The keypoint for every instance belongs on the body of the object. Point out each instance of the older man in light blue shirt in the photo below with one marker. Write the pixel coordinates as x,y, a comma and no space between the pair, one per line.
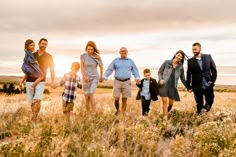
123,67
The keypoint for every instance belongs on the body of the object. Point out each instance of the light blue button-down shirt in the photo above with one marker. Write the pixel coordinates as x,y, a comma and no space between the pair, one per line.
123,69
146,90
205,84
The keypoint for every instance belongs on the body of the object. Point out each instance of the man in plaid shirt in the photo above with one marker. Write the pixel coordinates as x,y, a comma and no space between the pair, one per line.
71,82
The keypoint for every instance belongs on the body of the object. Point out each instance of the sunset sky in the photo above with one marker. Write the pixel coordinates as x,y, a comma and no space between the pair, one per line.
152,30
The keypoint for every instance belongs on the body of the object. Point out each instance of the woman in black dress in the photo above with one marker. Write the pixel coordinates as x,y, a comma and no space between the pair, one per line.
169,74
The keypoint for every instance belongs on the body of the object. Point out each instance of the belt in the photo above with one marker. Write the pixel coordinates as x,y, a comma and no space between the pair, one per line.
122,80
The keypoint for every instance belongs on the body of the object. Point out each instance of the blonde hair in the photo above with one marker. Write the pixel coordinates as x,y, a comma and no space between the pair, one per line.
75,65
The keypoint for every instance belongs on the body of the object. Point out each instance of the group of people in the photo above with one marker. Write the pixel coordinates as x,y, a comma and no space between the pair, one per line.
201,76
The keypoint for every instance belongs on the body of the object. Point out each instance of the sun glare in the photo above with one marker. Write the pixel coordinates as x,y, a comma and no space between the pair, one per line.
62,65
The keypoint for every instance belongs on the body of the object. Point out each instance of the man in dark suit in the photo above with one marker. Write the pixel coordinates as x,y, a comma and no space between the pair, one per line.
201,76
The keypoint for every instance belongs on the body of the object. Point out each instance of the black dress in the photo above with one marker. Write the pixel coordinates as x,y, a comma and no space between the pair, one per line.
169,90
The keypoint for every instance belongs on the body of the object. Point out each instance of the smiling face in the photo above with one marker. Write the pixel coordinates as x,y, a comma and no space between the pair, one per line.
196,50
123,52
31,47
43,45
179,57
75,67
147,75
90,50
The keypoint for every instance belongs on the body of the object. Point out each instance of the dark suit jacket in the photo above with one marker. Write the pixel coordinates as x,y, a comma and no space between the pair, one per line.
195,74
153,87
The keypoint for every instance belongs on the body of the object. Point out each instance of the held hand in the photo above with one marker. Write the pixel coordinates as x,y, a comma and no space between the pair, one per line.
162,82
86,79
54,86
137,81
190,90
210,82
101,80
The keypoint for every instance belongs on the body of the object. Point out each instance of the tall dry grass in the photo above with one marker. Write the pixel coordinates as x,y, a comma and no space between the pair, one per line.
104,134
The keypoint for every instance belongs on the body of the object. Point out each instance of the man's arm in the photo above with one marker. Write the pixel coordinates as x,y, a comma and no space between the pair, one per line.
189,76
213,70
24,78
135,72
52,72
109,70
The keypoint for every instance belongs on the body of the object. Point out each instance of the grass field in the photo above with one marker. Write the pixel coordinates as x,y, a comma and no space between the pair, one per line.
104,134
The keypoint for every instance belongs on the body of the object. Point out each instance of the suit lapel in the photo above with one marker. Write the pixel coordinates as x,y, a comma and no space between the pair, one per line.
196,64
203,62
150,84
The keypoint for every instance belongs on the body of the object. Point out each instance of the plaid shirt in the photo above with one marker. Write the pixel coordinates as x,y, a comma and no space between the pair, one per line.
70,87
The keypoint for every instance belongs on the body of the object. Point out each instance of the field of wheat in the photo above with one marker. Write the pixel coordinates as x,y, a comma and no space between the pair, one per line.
104,134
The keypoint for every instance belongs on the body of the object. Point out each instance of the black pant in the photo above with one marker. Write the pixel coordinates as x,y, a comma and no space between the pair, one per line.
145,105
209,98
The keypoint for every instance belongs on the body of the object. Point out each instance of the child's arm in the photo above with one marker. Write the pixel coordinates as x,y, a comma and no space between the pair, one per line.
22,82
79,84
156,86
63,80
60,83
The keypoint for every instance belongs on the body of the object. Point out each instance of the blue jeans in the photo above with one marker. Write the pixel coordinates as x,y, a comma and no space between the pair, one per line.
38,91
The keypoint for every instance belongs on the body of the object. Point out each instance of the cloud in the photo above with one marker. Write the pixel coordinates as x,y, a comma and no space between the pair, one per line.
145,27
96,17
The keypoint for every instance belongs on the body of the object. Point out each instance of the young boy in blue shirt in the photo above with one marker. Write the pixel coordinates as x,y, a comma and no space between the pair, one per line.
148,90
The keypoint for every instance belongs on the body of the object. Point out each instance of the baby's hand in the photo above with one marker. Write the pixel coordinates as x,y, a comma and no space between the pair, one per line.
162,82
37,62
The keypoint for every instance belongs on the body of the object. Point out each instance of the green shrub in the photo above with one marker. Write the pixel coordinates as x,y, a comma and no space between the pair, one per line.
214,137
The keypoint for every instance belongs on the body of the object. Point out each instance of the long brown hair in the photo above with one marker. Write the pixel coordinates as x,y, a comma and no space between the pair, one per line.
183,54
93,45
27,43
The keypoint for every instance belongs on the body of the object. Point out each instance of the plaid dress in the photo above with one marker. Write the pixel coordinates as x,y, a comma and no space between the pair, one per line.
71,83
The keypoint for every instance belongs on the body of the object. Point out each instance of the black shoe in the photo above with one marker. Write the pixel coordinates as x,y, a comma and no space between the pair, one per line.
117,113
207,107
145,113
169,108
